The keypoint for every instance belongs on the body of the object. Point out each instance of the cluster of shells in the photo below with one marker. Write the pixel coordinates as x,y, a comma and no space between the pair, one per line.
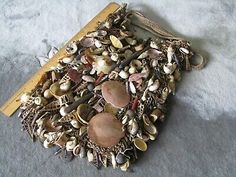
105,98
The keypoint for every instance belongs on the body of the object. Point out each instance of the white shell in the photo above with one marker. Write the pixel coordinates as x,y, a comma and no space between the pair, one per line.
62,111
97,43
88,78
125,166
71,144
154,86
39,100
47,144
75,124
123,74
183,50
67,60
114,57
170,53
153,45
90,156
132,70
47,94
132,87
169,68
25,97
113,160
65,86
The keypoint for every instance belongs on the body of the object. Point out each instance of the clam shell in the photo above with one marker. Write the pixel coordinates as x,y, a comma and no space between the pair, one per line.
114,92
105,130
116,42
140,144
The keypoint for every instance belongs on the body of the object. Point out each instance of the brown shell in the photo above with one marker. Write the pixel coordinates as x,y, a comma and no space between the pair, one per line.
105,130
114,92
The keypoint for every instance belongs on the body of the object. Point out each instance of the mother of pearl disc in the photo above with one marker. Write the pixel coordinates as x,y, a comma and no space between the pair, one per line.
105,130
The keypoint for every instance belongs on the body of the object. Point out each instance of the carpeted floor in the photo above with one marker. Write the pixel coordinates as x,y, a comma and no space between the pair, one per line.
198,139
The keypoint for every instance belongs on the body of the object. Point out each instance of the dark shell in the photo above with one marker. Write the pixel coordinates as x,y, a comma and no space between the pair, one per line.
74,75
121,159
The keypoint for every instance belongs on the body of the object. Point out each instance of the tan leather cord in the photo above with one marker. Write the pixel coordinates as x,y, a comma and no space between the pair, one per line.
153,27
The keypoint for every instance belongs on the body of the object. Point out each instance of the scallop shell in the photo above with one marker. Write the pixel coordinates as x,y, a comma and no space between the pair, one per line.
116,42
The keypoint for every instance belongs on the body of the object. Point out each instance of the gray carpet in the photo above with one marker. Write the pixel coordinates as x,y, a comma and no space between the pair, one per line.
198,139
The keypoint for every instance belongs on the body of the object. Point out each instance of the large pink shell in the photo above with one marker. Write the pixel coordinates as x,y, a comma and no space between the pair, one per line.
114,92
105,130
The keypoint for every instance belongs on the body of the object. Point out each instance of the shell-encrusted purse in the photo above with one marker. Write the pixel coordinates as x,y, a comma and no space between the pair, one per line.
105,98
